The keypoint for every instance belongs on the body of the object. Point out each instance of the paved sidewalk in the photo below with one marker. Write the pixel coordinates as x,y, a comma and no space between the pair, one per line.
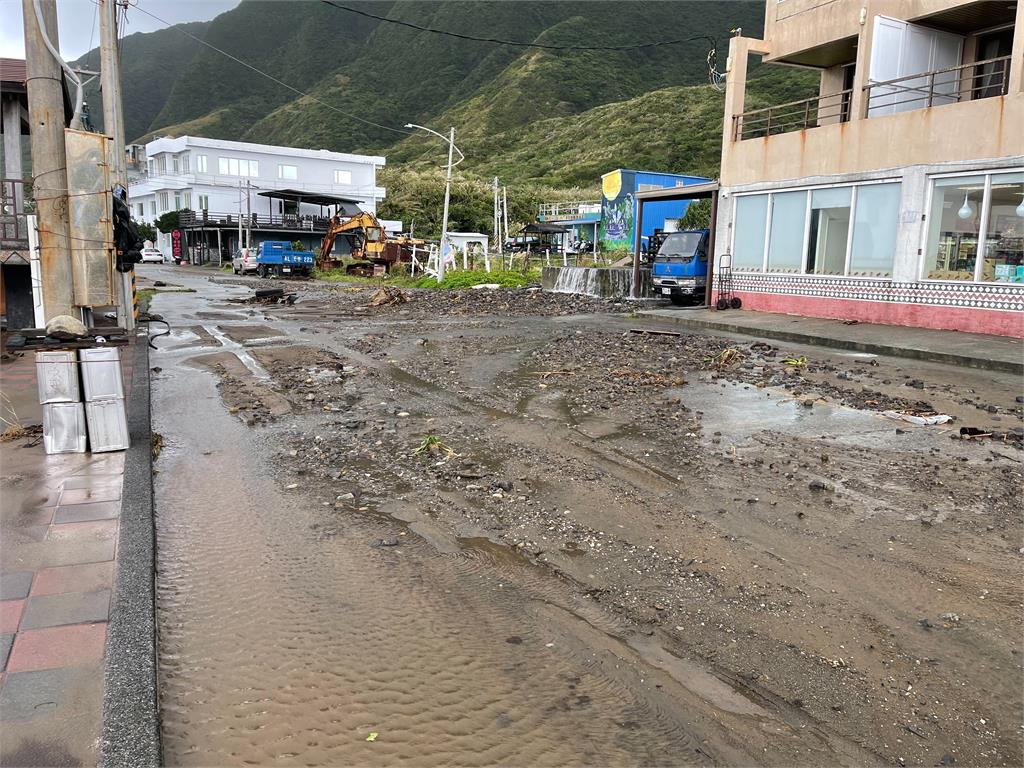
58,537
998,353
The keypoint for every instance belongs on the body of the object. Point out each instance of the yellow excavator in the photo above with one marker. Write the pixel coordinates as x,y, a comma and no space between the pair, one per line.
360,245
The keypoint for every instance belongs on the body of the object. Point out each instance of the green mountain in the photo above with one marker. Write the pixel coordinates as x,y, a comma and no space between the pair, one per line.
550,119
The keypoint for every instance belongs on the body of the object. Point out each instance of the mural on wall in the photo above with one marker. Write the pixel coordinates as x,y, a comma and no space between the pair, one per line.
617,211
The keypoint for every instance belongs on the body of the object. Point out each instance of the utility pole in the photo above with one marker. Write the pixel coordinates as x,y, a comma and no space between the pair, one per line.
504,207
113,125
240,243
248,214
496,223
49,180
444,216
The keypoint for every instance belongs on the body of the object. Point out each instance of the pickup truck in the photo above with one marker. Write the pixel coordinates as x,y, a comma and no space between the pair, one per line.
680,271
277,257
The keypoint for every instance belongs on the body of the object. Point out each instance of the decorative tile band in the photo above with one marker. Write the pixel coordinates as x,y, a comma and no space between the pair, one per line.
1002,296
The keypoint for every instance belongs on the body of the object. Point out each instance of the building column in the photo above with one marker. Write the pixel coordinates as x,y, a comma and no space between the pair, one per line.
1016,84
907,258
740,49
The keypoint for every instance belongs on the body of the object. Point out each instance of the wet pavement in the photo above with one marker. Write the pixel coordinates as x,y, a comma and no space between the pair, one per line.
302,625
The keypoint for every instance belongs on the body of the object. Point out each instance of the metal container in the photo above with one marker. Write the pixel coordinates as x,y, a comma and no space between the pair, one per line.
57,376
63,428
101,373
108,425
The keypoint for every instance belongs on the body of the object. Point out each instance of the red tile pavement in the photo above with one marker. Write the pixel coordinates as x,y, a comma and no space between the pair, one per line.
90,577
70,646
10,615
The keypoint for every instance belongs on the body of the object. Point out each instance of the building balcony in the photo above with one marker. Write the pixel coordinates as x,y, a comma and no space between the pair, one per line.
284,222
587,210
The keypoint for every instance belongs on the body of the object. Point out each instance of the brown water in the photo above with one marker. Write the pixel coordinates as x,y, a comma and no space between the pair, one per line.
288,638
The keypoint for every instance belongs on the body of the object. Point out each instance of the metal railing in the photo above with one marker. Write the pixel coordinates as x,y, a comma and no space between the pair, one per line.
305,222
793,116
966,82
573,210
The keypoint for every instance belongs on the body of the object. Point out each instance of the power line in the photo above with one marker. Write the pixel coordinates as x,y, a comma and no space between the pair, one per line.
519,43
283,84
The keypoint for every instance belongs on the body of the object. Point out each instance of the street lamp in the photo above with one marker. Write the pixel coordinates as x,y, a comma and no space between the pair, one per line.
447,190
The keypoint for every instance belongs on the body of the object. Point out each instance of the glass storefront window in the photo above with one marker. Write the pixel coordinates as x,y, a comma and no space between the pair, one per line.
785,245
830,229
954,227
875,221
1004,232
749,232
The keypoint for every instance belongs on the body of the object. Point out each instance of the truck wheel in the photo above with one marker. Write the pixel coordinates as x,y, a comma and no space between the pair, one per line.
261,271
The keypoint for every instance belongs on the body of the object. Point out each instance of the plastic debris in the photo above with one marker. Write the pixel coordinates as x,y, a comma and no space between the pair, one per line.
373,736
921,418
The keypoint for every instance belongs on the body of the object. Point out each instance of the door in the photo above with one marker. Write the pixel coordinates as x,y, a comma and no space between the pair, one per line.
900,49
17,285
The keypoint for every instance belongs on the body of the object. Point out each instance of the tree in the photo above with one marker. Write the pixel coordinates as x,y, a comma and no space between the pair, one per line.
146,231
169,221
697,216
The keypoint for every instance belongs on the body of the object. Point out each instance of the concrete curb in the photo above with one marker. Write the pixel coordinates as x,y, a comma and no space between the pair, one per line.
131,719
913,353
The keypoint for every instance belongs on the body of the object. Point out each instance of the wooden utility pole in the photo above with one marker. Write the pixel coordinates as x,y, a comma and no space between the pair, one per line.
49,180
113,125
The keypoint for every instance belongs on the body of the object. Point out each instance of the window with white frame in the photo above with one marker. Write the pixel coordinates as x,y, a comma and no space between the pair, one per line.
152,208
200,163
971,215
161,164
289,172
232,166
186,198
842,230
342,176
140,209
176,164
151,167
184,163
204,202
162,197
177,201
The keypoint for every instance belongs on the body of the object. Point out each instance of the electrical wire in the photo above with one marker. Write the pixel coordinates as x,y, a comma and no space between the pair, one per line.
76,120
519,43
267,75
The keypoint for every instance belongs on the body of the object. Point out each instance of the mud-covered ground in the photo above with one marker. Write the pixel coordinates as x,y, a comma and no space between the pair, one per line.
745,504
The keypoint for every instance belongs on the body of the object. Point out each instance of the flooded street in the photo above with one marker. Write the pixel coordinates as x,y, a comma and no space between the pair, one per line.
566,573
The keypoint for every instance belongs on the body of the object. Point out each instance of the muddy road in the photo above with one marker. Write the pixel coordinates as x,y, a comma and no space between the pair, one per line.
502,527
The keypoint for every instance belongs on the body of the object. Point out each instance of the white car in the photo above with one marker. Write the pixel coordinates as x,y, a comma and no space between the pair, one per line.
244,261
152,256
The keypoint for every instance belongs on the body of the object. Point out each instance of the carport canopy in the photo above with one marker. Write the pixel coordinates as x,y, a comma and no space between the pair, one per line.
346,206
707,191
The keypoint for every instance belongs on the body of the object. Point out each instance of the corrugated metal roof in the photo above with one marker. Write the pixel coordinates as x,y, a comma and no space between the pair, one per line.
12,70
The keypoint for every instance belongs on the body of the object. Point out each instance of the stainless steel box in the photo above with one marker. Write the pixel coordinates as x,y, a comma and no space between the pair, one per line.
57,376
101,373
108,425
63,428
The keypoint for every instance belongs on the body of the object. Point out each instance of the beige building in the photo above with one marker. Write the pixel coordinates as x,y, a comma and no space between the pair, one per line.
896,195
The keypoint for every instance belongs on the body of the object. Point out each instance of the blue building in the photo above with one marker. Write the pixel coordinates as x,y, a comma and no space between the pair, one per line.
619,206
611,221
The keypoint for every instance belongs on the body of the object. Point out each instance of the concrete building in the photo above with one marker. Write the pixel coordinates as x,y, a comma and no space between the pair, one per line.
895,195
282,193
17,303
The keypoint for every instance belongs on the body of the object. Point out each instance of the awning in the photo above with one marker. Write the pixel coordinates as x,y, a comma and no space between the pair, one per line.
346,205
687,192
543,228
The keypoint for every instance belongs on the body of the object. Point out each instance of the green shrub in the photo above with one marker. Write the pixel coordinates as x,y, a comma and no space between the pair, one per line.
468,278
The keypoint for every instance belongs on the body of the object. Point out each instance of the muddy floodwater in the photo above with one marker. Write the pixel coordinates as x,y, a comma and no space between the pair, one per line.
569,576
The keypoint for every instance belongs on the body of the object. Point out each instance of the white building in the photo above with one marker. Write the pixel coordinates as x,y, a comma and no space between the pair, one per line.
223,180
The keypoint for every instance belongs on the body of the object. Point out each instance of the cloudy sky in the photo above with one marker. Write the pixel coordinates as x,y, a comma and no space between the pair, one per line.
79,28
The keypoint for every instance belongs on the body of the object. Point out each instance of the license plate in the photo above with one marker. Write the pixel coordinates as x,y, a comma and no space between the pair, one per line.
286,269
667,291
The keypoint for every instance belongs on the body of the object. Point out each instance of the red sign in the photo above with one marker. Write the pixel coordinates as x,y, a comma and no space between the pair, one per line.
176,243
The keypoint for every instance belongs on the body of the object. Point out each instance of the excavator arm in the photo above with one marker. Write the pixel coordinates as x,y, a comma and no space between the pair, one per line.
366,224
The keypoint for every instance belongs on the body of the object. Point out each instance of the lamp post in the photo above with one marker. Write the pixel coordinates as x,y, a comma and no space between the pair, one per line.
447,190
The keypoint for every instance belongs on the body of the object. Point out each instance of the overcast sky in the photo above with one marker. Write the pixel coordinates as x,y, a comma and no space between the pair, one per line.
79,28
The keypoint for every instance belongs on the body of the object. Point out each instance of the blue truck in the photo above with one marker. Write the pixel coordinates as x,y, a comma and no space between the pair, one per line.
277,257
680,270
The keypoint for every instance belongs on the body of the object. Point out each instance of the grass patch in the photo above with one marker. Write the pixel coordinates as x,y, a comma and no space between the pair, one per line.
468,278
145,298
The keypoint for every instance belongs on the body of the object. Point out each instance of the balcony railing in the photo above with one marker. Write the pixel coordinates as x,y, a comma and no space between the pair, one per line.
13,222
567,211
195,219
793,116
967,82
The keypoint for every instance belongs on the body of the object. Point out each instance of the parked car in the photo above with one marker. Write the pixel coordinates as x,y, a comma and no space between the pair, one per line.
152,256
244,261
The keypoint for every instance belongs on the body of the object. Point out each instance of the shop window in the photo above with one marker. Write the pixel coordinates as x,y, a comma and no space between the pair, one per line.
954,228
876,217
829,231
1004,230
749,232
786,242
